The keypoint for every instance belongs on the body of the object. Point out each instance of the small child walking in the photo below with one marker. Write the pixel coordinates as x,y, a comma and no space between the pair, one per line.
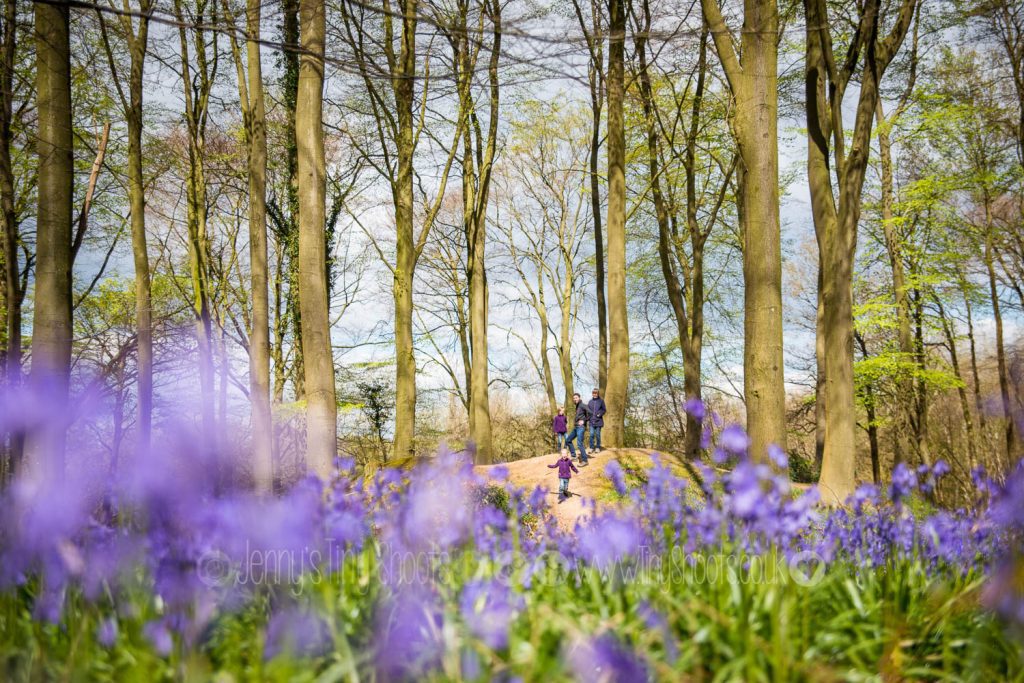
560,426
565,470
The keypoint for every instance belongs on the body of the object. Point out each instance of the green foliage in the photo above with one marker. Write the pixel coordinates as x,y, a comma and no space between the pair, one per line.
496,496
730,616
802,470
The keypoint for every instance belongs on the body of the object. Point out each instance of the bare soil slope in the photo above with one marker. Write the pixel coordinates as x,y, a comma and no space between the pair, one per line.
590,484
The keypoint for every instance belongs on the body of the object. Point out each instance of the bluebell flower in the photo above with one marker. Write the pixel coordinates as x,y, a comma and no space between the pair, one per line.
408,639
106,632
488,607
605,658
734,440
695,409
296,632
904,482
613,470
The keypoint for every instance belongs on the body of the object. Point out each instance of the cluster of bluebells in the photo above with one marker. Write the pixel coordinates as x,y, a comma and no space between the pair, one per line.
196,541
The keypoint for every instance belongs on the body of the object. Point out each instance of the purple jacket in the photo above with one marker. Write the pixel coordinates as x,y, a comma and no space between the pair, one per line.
559,424
564,465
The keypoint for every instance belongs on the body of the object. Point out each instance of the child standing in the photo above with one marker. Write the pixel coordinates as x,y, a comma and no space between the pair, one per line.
565,470
560,425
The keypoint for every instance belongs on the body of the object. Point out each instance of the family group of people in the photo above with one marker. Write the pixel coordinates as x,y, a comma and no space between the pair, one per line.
590,414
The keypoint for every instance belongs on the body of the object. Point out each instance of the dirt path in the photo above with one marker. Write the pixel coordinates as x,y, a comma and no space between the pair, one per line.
590,484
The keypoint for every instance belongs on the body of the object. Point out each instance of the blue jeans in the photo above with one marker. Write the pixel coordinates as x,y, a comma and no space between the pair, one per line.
595,434
563,487
560,439
577,435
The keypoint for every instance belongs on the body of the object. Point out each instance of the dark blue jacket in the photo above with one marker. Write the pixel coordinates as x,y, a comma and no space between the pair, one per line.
597,409
582,415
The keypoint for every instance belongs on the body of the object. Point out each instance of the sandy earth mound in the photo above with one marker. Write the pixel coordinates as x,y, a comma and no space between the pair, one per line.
590,484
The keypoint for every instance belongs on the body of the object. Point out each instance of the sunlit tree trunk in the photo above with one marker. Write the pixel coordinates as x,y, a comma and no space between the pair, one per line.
51,320
137,200
965,406
406,252
997,315
197,82
753,81
836,222
477,169
565,337
318,358
250,95
894,242
666,250
593,33
617,388
259,339
137,41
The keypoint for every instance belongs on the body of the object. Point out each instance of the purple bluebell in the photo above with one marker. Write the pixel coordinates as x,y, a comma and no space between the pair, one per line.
694,407
408,640
613,470
734,440
489,607
106,632
606,658
297,632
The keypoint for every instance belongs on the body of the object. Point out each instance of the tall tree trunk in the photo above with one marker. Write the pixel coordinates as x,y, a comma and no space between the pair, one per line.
965,406
819,379
975,376
545,364
478,303
51,321
318,358
692,373
836,226
618,320
477,168
599,266
594,35
259,338
137,201
872,426
405,247
894,247
752,75
1004,381
250,94
197,83
920,417
8,215
565,339
280,323
289,87
757,119
691,428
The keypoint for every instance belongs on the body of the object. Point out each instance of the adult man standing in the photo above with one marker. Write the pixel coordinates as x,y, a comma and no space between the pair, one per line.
597,409
579,427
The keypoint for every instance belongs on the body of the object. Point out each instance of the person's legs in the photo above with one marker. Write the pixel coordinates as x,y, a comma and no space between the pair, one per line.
563,487
595,434
568,444
579,440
